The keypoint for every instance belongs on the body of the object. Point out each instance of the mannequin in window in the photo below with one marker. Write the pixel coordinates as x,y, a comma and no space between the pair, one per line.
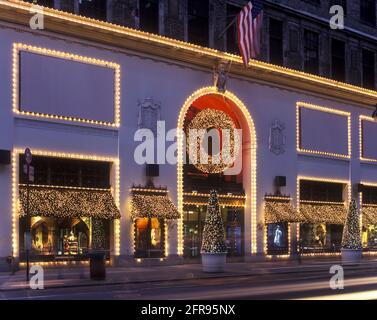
278,236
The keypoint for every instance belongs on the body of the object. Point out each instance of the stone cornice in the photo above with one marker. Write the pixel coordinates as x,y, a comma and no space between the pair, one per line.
67,24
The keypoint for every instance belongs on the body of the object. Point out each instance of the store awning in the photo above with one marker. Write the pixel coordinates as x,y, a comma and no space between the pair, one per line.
323,213
369,215
281,211
151,205
67,203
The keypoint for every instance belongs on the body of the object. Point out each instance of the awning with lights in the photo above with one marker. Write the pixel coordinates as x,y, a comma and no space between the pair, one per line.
323,213
152,204
68,203
225,200
281,211
369,215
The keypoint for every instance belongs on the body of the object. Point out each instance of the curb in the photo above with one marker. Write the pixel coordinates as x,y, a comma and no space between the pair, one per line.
181,279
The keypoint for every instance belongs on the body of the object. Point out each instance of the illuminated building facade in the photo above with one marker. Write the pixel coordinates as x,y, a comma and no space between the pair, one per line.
76,92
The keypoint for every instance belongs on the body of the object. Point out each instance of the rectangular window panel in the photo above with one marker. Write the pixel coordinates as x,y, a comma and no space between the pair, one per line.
75,90
198,22
321,191
368,69
276,42
368,12
323,131
148,15
369,141
231,34
311,52
338,62
95,9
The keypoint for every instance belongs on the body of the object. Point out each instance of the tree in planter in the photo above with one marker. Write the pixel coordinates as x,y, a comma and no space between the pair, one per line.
213,233
351,232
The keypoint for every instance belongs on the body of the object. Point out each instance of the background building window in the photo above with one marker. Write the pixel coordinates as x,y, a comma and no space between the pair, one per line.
311,43
44,3
368,69
95,9
342,3
69,173
276,42
198,22
321,191
231,35
149,15
368,12
338,62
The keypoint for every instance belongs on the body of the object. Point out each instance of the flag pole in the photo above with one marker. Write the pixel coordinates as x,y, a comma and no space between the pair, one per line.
227,28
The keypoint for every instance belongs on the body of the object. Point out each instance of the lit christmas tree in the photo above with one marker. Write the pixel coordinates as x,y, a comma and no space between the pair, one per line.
351,232
213,234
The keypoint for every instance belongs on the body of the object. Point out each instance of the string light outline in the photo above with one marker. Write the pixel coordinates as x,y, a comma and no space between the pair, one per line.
18,47
300,105
253,161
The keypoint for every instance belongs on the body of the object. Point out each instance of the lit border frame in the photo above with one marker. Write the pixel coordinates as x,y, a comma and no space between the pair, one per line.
265,230
15,206
363,118
305,105
345,182
253,161
18,47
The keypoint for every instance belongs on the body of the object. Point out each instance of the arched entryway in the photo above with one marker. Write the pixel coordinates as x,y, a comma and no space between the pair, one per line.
210,98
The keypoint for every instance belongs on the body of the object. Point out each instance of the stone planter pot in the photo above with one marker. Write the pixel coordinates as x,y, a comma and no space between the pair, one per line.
351,256
213,262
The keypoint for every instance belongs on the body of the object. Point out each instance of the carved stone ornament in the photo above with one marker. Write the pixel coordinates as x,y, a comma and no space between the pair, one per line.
277,139
149,114
220,76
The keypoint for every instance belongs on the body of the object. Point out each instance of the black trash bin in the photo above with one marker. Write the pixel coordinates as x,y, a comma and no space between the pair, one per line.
97,265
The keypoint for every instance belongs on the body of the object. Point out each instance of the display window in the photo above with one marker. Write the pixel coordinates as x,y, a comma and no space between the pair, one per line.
194,218
320,237
149,238
277,238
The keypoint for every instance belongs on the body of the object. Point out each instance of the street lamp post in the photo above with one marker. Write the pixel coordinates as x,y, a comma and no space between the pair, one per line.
28,159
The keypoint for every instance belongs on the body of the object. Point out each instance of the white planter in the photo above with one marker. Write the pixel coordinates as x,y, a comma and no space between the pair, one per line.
351,256
213,262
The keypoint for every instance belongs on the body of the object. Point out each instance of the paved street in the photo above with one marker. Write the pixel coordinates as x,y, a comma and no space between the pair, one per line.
253,281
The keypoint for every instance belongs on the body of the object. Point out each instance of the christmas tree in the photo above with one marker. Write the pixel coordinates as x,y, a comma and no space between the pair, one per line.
351,232
213,234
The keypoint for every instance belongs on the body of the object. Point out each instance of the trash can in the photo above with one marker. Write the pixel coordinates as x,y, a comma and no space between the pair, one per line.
97,265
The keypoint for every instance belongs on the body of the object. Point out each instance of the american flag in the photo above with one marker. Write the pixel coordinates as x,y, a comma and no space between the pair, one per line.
249,23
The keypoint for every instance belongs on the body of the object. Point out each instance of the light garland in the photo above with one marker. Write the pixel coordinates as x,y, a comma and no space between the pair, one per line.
153,206
68,203
17,47
176,44
253,161
362,119
64,155
280,211
299,149
208,119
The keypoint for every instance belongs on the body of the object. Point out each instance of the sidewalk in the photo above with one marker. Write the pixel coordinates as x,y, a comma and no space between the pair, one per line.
79,276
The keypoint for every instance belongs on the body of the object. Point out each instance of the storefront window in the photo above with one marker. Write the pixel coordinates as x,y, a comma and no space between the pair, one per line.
194,218
149,238
369,237
321,237
277,238
62,237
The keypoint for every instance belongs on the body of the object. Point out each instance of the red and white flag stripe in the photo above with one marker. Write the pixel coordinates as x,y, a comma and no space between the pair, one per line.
249,33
